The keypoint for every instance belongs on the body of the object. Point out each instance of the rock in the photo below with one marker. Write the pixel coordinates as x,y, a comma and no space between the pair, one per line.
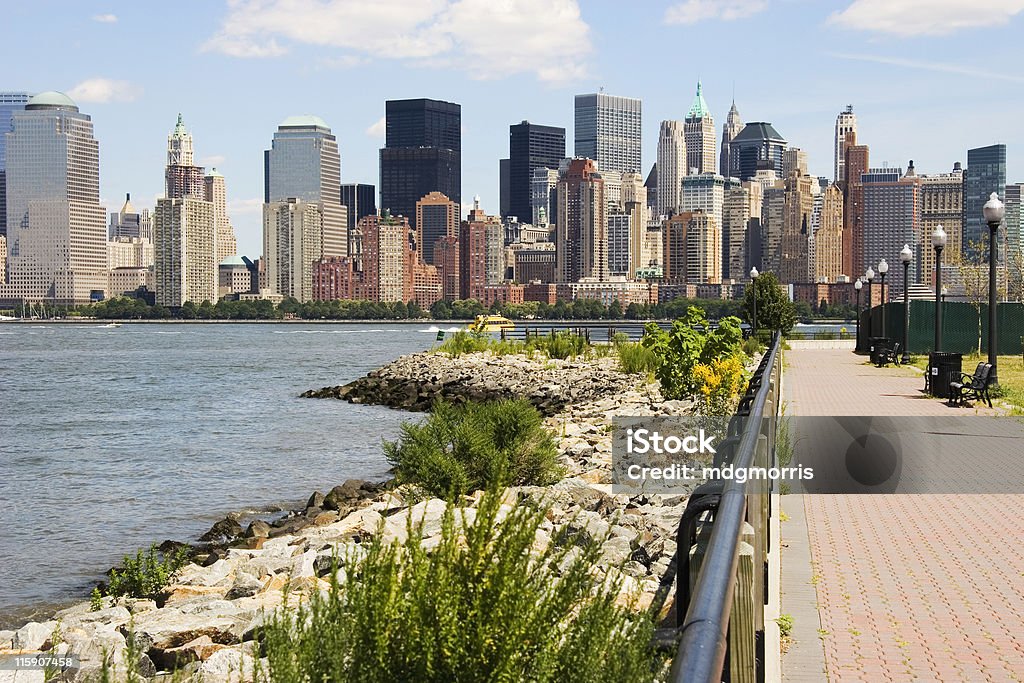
167,628
6,638
315,501
224,530
244,586
258,529
228,664
33,635
341,497
325,518
616,550
197,650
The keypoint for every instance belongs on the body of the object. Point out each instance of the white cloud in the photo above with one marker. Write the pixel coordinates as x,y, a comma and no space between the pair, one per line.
931,66
105,18
378,129
486,38
693,11
925,17
103,90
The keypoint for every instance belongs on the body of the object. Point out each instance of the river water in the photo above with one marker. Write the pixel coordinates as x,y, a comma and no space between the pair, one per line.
114,437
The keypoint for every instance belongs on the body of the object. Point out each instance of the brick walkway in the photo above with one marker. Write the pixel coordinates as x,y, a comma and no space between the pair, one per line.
908,587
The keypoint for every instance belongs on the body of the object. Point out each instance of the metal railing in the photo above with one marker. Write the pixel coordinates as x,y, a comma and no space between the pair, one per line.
703,615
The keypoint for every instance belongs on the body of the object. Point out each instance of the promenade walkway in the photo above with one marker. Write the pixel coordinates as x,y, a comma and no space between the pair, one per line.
896,587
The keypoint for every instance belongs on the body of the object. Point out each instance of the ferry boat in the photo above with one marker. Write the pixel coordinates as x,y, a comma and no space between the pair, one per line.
491,323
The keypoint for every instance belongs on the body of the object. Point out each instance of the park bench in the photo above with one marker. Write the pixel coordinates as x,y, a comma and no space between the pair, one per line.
971,386
886,356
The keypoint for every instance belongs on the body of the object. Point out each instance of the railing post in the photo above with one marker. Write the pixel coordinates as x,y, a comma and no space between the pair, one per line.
746,609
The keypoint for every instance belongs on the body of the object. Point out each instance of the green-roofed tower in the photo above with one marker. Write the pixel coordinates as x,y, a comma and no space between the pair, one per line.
699,133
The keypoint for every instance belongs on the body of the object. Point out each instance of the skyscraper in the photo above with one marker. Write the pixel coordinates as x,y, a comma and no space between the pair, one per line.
757,147
130,223
706,192
56,228
741,216
436,217
531,146
543,196
360,200
10,102
942,197
846,123
215,191
184,250
303,163
828,238
671,167
730,129
857,164
1015,224
794,254
985,174
581,236
892,218
422,153
607,130
182,178
700,136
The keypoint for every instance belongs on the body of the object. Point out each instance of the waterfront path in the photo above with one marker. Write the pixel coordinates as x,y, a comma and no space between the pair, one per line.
896,587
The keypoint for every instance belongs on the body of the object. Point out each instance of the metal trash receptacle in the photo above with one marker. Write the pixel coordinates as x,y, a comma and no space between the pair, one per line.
943,368
878,347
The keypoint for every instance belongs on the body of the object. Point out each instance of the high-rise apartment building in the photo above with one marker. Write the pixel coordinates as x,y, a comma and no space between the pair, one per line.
672,166
436,217
359,200
215,192
692,249
985,174
303,163
828,238
741,216
706,192
758,146
857,164
292,244
794,160
794,255
846,123
1015,223
699,130
730,129
673,250
422,153
607,130
388,258
581,235
184,248
10,102
773,221
892,218
942,197
619,237
531,146
56,228
633,202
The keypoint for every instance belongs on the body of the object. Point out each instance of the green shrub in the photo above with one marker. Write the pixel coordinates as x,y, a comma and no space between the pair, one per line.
620,338
146,574
464,448
752,346
462,342
637,359
560,345
481,606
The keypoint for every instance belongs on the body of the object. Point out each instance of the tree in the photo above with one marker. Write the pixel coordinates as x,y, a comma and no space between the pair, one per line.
615,310
972,265
440,310
774,309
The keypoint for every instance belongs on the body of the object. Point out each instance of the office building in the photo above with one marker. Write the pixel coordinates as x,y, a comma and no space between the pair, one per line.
581,234
758,146
672,166
360,201
436,217
857,164
942,197
706,192
985,174
828,237
794,160
184,245
505,187
798,210
633,202
891,218
692,249
741,216
215,192
56,228
531,146
619,252
182,178
303,164
699,131
422,154
544,197
130,223
1014,223
730,129
607,130
846,123
10,102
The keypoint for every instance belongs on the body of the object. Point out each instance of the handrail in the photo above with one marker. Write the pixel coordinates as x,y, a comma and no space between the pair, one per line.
704,633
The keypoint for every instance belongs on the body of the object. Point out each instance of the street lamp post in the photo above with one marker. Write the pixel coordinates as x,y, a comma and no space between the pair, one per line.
993,212
753,289
869,276
905,256
938,243
857,286
883,268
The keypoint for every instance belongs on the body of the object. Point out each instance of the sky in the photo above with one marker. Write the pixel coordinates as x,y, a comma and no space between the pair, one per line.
928,79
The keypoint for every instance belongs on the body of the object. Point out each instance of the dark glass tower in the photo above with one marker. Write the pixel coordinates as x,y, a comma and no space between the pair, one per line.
757,146
985,174
361,201
530,146
422,153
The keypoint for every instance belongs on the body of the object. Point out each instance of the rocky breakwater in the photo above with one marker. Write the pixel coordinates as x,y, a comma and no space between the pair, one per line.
416,381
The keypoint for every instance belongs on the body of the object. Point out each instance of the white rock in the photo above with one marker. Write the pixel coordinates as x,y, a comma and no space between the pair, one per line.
229,664
32,635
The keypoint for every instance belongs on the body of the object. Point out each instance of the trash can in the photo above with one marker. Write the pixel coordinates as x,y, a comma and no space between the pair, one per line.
878,347
943,368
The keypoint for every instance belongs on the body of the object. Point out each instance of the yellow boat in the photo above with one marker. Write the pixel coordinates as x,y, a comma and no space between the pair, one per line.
491,323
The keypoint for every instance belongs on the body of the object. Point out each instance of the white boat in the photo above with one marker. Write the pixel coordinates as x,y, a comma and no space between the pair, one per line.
111,325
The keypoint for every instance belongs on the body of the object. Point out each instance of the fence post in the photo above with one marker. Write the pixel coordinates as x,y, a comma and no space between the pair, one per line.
743,620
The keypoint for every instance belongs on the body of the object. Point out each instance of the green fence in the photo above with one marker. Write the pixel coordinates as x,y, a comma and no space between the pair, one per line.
960,325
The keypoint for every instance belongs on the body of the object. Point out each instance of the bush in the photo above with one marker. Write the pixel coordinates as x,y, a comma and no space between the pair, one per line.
561,345
482,606
752,346
637,359
473,446
146,574
718,385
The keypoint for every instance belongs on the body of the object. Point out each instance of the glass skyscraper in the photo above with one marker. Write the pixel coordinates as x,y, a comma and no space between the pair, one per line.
607,130
530,146
985,174
757,147
10,102
422,153
360,199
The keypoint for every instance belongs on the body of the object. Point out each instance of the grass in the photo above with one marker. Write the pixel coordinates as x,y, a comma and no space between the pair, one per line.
146,574
558,345
636,359
785,622
482,606
473,446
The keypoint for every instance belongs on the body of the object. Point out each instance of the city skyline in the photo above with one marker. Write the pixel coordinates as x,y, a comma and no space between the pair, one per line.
898,75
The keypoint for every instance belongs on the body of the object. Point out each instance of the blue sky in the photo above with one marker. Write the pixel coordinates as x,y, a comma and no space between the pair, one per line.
927,78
